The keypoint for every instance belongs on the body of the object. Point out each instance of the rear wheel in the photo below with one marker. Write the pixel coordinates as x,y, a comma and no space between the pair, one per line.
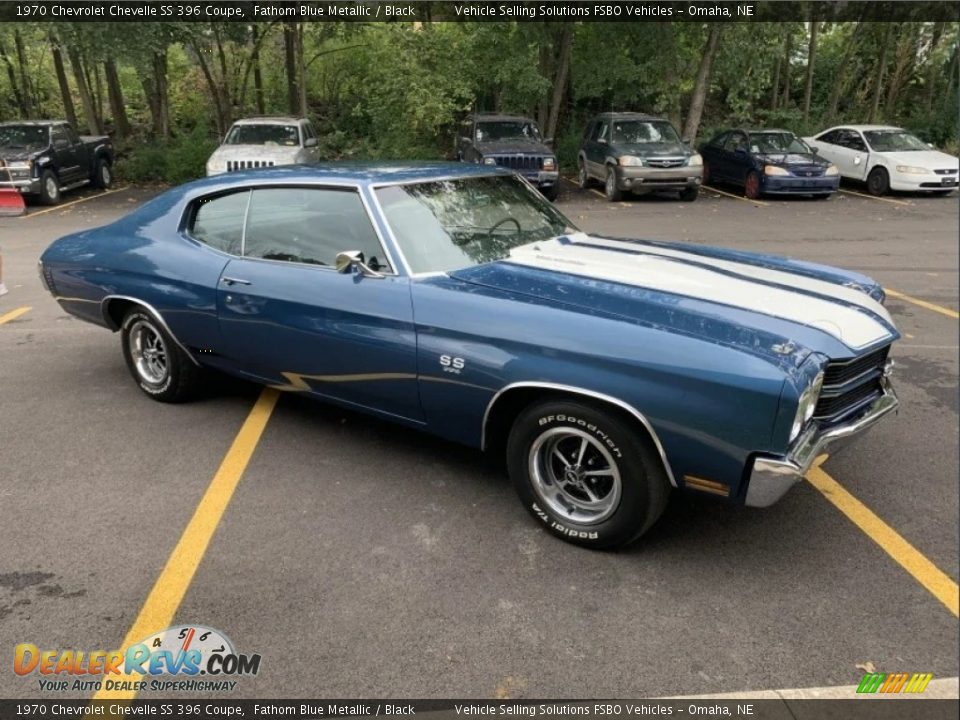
586,474
103,174
583,177
610,186
161,368
878,181
751,187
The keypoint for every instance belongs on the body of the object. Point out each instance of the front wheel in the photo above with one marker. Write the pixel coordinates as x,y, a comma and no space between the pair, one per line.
690,194
550,193
102,174
878,181
583,177
612,191
161,368
586,474
49,188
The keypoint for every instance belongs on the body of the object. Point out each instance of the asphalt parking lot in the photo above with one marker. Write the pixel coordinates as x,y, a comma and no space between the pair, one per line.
360,559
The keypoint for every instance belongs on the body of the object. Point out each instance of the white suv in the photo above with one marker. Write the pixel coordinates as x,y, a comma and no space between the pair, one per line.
265,142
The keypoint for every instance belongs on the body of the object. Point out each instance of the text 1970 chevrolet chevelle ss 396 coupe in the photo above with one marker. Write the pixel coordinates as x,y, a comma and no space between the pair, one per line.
456,299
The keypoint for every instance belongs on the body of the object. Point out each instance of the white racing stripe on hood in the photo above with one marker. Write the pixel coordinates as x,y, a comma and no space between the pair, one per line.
781,277
852,327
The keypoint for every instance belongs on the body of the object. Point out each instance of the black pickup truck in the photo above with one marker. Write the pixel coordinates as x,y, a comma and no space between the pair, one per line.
43,158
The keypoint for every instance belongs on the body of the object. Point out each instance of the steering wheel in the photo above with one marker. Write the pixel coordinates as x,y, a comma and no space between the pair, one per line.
502,222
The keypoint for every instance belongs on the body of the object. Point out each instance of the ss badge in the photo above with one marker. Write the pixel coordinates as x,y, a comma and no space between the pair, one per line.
452,364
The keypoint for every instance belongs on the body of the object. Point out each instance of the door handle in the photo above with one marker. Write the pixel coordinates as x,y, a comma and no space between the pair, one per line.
234,281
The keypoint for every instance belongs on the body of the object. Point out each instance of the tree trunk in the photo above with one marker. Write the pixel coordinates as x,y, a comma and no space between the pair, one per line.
811,58
842,76
68,110
220,113
14,85
931,77
301,73
702,84
878,77
83,89
560,79
290,61
786,68
674,112
257,75
26,86
115,93
775,93
154,81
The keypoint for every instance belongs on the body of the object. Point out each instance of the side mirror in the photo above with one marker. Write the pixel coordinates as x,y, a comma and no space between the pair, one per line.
352,261
740,151
310,142
602,141
931,146
814,150
548,141
688,142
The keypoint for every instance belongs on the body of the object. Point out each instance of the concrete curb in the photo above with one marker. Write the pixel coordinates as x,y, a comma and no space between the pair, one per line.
938,689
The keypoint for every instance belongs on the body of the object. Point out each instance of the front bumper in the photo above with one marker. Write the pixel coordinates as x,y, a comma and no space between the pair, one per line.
26,186
542,178
792,185
772,477
650,179
922,183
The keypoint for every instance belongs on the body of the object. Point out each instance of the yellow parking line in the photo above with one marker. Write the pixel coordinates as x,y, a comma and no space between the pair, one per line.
175,578
735,197
72,202
874,197
937,582
597,192
923,303
14,314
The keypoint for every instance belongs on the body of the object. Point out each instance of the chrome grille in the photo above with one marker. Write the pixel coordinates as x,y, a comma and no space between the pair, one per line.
945,172
519,162
233,165
659,162
850,384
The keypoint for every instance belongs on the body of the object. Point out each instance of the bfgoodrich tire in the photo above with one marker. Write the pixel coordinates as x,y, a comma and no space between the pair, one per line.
158,365
586,474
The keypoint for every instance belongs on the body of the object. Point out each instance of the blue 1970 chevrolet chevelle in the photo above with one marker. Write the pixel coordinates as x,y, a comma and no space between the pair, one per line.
457,300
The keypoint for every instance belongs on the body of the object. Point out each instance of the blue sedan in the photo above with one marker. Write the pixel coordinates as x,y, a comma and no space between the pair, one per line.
457,300
768,162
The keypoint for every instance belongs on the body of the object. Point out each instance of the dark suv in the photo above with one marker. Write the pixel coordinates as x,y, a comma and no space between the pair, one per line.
510,141
632,152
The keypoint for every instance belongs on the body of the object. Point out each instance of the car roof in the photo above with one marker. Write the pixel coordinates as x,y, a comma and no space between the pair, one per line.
627,116
268,120
38,123
499,116
360,173
863,128
760,131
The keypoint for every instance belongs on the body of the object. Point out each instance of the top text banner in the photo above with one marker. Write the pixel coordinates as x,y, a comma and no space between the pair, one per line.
476,11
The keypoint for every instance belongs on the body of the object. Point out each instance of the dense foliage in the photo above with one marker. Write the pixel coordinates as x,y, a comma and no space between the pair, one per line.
166,91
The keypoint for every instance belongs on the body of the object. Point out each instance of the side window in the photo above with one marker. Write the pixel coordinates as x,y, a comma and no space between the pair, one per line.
58,134
308,131
719,140
218,221
465,129
855,142
310,225
72,136
734,141
600,131
830,138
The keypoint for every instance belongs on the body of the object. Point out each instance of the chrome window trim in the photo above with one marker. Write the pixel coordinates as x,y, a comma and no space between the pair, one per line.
150,309
586,393
273,183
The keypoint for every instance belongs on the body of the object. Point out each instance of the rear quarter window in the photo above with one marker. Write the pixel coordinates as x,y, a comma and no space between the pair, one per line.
218,220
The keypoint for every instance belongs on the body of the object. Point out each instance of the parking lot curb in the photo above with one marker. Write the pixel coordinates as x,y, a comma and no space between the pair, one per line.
939,689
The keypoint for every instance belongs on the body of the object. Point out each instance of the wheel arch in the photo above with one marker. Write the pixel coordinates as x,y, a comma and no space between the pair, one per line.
115,307
511,400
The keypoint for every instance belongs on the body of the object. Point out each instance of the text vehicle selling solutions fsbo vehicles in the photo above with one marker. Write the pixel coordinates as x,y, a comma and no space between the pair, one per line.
454,298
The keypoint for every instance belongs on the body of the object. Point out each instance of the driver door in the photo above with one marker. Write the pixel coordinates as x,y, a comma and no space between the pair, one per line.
850,154
288,317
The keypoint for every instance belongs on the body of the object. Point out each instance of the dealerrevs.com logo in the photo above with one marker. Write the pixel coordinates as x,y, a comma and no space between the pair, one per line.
187,653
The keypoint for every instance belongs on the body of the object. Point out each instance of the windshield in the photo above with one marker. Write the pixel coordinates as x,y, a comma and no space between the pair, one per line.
781,142
263,135
638,132
451,224
894,140
507,130
24,136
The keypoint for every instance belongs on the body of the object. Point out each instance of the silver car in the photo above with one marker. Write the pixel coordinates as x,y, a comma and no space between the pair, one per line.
265,142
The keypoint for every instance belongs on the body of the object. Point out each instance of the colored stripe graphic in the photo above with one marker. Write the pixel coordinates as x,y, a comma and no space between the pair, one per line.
892,683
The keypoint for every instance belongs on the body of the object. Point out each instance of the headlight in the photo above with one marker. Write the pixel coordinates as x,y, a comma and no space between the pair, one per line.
489,161
20,164
549,163
832,170
806,405
911,170
631,161
695,160
774,170
215,167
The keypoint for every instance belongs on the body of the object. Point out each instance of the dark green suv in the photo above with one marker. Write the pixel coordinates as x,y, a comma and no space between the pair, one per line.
633,152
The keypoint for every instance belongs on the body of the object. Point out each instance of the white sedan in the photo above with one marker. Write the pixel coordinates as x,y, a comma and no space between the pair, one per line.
886,158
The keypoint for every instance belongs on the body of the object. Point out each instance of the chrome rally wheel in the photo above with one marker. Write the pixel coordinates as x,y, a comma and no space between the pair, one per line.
161,367
574,475
149,352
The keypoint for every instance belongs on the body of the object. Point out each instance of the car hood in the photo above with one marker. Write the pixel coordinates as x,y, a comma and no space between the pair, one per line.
255,152
765,305
930,159
651,149
513,146
12,154
792,159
